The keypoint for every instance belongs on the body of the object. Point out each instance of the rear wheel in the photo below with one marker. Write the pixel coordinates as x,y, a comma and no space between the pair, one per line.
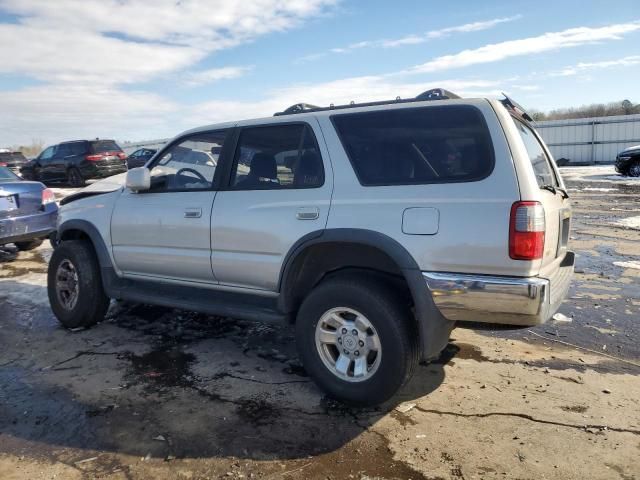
24,246
356,339
634,169
74,285
74,177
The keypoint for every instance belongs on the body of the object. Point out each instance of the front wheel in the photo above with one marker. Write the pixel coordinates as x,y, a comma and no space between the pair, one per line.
74,285
356,339
634,170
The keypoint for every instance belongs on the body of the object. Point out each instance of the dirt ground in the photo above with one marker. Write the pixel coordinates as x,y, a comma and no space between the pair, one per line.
153,393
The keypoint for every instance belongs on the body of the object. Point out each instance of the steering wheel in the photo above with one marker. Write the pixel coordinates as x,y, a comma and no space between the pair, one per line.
195,172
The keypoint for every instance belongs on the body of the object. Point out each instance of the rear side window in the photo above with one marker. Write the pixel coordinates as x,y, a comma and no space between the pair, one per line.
78,148
102,146
276,157
537,156
444,144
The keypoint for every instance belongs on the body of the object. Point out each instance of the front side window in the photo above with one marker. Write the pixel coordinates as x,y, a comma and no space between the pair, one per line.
537,156
47,153
190,164
277,157
443,144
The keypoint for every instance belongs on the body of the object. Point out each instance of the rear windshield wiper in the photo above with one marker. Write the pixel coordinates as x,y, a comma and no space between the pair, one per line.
555,190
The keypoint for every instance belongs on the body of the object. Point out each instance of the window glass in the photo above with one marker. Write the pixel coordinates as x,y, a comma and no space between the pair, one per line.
7,175
190,164
47,153
417,145
537,156
78,148
63,150
277,157
102,146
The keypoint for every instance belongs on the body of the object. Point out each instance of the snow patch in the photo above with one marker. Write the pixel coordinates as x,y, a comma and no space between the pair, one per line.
589,189
630,222
630,264
29,289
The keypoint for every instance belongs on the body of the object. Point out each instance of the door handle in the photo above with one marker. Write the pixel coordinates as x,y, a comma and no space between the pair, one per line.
308,213
193,213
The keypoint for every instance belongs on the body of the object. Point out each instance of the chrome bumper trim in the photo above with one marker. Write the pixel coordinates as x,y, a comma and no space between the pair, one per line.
493,299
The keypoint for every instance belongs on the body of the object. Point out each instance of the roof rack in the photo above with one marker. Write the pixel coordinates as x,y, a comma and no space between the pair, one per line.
433,94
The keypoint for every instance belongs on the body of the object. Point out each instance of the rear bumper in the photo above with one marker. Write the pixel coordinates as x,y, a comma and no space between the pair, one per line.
102,171
523,301
30,227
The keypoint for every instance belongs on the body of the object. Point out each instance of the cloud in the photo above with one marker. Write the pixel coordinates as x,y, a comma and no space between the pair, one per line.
212,75
343,91
415,39
572,37
88,56
584,66
56,113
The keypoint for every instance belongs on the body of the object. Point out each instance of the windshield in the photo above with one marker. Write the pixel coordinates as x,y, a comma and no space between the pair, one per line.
101,146
7,175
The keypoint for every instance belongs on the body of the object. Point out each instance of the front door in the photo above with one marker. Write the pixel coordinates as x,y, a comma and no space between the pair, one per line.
164,233
279,191
41,170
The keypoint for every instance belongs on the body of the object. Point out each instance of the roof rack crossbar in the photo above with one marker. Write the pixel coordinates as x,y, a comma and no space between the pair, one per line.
433,94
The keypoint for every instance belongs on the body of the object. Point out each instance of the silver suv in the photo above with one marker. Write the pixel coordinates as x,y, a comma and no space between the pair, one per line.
372,228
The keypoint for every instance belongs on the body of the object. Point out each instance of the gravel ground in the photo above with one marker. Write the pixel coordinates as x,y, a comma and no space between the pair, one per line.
153,393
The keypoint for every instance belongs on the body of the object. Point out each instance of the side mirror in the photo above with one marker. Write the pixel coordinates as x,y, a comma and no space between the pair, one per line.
138,179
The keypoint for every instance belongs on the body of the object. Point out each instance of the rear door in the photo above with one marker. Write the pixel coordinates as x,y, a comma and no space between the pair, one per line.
557,207
279,190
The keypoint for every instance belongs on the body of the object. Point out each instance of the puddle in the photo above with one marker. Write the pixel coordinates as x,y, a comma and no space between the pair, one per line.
161,368
257,411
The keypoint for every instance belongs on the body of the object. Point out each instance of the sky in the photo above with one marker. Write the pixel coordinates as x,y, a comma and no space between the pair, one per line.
138,70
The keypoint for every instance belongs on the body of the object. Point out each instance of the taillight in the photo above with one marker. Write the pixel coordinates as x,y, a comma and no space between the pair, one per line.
48,196
94,158
526,231
122,155
2,164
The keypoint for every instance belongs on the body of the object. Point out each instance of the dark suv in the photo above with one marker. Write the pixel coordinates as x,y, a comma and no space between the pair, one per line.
76,161
628,161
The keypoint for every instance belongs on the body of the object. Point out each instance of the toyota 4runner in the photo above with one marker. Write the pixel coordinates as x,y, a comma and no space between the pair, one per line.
371,227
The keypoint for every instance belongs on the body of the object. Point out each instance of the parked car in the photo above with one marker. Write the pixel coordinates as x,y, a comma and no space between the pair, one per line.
76,161
372,227
628,161
28,211
140,157
12,160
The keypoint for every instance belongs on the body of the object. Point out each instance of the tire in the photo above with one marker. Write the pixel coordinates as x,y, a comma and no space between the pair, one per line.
91,303
74,177
634,169
390,318
30,245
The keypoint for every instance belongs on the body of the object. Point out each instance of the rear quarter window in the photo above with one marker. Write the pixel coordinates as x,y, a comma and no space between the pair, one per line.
537,156
443,144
